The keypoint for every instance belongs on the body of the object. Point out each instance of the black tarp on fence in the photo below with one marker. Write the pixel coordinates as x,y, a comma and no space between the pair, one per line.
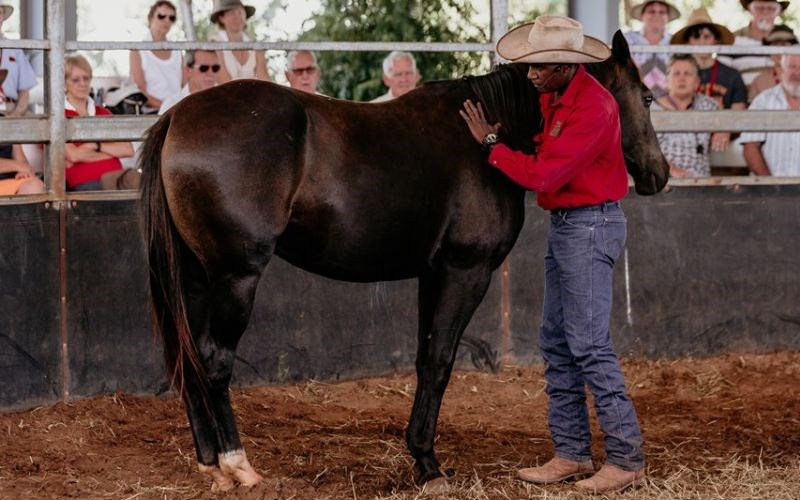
707,270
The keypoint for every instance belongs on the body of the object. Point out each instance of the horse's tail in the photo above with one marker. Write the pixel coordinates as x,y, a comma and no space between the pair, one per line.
167,255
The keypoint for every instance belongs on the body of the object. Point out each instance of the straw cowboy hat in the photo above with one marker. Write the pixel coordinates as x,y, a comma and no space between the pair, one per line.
221,6
700,17
781,33
551,39
746,4
636,10
7,10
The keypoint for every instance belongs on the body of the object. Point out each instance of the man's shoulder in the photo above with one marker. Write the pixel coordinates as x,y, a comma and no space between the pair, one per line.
772,98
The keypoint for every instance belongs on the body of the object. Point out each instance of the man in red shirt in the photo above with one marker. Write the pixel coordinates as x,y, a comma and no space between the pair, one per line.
579,174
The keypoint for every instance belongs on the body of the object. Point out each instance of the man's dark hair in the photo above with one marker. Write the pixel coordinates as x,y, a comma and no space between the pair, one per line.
189,56
683,57
694,31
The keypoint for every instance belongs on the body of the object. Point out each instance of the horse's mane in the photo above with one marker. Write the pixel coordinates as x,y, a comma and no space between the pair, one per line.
508,97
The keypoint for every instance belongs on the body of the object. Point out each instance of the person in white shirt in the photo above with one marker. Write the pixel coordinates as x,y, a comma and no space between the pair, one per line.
231,16
764,13
20,77
776,153
302,71
202,68
157,73
399,74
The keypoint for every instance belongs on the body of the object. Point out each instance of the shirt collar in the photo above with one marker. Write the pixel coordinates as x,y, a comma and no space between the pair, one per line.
90,109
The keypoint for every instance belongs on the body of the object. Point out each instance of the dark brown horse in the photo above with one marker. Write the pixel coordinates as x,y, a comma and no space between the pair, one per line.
351,191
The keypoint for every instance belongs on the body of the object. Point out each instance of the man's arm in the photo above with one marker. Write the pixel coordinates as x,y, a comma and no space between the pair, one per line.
755,159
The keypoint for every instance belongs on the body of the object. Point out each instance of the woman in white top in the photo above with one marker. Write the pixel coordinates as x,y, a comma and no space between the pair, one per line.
158,73
231,16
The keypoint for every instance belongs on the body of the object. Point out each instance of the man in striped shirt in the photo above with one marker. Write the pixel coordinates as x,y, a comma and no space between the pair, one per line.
776,153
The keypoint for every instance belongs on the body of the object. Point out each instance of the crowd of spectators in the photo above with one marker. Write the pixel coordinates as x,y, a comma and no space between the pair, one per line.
700,81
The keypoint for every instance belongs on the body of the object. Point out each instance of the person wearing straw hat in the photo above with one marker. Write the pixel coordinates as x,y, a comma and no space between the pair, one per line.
231,16
717,80
15,90
654,16
764,14
578,174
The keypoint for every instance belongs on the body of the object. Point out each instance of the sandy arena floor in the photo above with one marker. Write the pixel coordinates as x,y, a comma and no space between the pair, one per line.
717,428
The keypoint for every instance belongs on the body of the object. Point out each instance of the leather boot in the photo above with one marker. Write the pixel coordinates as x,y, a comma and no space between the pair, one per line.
555,471
611,478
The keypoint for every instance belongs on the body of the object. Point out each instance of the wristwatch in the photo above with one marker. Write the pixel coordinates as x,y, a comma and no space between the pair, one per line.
489,141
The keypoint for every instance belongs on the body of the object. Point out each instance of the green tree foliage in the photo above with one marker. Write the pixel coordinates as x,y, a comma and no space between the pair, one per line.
357,75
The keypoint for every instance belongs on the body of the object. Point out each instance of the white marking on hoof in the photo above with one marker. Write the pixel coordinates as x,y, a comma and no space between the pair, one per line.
435,485
221,480
235,463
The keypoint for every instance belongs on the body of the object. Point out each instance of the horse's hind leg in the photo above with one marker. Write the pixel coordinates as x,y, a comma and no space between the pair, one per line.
231,301
219,310
447,299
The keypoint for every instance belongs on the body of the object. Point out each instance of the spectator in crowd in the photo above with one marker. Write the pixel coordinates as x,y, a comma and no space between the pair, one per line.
202,67
687,152
231,17
717,80
16,174
780,36
653,66
763,13
157,73
15,91
302,71
88,162
776,153
399,74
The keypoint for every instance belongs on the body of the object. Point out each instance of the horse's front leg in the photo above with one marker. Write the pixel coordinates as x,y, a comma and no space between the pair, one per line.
447,299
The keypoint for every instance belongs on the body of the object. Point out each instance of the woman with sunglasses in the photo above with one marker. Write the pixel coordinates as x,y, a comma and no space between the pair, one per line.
202,68
157,73
231,16
89,162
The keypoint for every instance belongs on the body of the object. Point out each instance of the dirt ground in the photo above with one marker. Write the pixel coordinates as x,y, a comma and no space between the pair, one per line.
735,418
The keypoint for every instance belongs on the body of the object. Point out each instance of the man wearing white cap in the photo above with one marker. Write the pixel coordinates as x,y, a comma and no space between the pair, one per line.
578,174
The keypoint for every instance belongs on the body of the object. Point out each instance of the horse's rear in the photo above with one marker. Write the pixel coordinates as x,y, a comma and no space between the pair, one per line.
351,191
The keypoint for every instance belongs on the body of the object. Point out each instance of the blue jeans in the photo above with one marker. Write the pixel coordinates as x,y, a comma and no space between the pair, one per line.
575,340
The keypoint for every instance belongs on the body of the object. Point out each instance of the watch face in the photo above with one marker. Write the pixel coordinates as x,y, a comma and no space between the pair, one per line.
490,138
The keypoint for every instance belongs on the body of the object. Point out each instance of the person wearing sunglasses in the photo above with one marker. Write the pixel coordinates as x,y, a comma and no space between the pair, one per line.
157,73
89,162
201,70
302,71
231,17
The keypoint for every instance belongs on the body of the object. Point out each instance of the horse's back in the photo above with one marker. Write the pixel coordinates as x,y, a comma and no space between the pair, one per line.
352,191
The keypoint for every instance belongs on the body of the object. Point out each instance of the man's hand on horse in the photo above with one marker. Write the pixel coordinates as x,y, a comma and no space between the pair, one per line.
476,121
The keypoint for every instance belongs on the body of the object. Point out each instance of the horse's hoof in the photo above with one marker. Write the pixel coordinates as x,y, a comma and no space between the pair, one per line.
221,486
435,485
235,464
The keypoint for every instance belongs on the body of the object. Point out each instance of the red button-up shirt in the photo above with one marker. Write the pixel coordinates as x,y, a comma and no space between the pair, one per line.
579,160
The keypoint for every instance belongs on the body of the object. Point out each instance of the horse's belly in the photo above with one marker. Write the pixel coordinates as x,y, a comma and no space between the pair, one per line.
355,255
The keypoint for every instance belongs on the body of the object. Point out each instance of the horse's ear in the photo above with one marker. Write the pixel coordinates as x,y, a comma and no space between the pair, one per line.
619,48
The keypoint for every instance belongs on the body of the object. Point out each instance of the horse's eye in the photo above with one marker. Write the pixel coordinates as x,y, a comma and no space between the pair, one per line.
648,100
